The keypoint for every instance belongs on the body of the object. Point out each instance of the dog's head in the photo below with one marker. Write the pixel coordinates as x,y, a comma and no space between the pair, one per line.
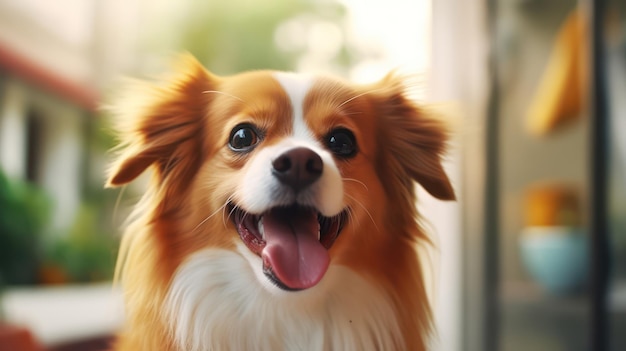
295,172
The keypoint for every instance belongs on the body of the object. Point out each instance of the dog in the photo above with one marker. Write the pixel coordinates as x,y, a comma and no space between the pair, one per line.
280,213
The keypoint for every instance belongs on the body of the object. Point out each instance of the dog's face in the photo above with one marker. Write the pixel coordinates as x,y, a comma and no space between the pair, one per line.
294,172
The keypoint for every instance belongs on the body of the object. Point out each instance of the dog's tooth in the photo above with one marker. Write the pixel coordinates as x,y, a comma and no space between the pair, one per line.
261,228
319,235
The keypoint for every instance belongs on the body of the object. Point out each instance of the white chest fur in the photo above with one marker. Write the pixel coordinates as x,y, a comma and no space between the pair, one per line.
216,302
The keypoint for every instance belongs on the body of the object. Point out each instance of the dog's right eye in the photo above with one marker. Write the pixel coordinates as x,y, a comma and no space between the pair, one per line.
243,137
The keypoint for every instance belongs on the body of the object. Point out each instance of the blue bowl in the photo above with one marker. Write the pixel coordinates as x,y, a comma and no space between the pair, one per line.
556,257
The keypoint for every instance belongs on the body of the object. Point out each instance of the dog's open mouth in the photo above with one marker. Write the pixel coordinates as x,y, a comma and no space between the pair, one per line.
292,241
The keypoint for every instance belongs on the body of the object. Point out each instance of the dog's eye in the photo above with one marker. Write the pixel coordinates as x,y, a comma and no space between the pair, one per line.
243,137
342,143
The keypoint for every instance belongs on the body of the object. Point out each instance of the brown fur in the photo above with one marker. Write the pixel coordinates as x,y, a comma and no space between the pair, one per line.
180,131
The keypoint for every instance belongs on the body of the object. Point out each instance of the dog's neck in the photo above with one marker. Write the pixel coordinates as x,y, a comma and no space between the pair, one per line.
216,302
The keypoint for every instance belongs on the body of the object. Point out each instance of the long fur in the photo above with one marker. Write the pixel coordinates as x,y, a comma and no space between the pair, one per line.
190,283
256,319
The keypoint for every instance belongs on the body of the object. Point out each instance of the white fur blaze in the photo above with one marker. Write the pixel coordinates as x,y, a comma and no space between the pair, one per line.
258,188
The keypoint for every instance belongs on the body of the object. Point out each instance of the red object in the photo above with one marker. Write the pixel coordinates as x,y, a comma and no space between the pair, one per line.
14,338
39,76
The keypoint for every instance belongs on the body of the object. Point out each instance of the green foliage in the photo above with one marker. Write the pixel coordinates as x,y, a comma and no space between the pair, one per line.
87,253
24,212
99,134
237,35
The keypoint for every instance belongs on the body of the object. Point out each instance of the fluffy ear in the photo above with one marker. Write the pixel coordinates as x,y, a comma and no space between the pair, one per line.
415,141
156,123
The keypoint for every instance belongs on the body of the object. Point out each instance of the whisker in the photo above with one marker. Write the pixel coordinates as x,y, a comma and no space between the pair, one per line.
357,181
211,215
223,93
356,96
365,209
230,214
354,219
351,218
228,201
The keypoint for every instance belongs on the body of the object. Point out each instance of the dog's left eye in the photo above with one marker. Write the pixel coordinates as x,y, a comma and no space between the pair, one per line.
243,137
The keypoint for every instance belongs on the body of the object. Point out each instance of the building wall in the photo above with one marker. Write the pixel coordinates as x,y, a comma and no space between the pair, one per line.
61,162
13,128
60,152
458,81
53,36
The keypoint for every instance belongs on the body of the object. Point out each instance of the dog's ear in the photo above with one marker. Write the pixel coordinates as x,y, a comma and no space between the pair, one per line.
156,123
415,141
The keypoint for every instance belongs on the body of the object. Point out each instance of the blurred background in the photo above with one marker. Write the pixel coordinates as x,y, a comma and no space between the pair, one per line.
531,257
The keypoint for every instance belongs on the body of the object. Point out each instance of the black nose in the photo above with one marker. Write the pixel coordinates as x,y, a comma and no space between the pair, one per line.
298,167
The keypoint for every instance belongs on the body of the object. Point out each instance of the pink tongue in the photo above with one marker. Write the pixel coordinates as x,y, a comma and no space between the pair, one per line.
293,250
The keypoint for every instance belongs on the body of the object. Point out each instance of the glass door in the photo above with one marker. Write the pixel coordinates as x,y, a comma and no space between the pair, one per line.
542,235
555,213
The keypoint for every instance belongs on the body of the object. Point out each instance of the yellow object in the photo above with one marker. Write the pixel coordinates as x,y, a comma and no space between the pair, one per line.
562,92
552,204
